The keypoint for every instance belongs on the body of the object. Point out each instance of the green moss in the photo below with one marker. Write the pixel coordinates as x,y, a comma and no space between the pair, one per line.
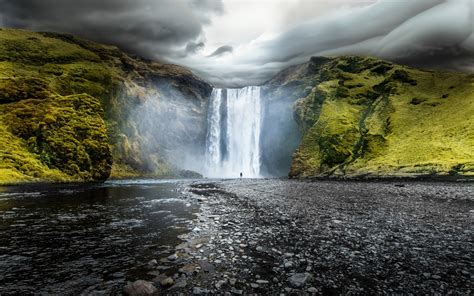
396,121
51,97
19,164
65,133
65,106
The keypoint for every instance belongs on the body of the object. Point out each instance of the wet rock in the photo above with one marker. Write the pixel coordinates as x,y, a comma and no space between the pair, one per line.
199,291
312,290
236,291
180,283
167,282
220,283
139,288
157,279
298,280
288,264
172,257
154,273
152,263
206,266
188,269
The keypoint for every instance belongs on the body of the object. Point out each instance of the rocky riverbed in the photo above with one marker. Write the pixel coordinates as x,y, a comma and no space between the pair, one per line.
323,237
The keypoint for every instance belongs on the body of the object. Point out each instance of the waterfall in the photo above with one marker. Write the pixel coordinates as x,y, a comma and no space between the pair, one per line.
233,133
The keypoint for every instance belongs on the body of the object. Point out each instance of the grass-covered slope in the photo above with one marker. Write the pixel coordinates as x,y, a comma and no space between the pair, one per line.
369,117
65,104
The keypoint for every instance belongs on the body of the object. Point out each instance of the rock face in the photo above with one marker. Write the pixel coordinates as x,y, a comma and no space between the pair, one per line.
74,110
363,116
140,288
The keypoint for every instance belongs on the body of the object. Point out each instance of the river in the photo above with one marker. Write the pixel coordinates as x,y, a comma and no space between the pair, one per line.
72,239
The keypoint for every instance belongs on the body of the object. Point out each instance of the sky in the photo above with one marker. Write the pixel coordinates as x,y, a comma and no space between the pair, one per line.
233,43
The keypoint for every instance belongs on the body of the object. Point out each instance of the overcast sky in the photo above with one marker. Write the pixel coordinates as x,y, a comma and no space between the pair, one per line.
245,42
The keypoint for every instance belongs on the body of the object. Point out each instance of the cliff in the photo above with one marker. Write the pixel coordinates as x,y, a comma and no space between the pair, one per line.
366,117
74,110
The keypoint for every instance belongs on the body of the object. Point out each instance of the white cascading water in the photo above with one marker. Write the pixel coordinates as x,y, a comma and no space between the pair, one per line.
233,137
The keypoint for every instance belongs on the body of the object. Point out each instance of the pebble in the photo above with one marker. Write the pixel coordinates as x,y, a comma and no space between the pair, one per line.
299,279
305,250
199,291
167,282
312,290
172,257
236,291
139,288
219,284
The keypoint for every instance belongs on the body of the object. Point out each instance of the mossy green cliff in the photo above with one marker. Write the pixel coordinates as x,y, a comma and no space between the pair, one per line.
367,117
66,109
75,110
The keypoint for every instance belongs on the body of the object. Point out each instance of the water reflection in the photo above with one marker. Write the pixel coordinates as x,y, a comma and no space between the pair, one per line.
77,239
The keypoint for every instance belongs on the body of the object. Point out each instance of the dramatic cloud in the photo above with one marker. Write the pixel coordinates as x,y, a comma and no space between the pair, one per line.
154,29
424,33
236,42
221,51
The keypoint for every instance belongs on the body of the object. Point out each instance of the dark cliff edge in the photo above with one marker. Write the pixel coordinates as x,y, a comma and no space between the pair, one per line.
72,110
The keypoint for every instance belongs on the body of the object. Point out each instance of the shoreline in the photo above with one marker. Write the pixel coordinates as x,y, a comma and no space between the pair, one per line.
285,236
363,178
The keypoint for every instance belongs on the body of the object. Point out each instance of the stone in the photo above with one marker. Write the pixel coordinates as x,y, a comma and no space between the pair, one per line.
157,279
172,257
167,282
152,262
312,290
188,269
181,283
254,285
206,266
236,291
139,288
199,291
219,284
262,282
298,280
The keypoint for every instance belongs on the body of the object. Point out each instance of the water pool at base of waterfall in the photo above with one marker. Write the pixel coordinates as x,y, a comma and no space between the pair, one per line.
71,239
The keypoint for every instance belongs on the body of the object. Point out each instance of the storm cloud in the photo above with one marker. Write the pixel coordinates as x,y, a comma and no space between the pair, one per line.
423,33
221,51
153,29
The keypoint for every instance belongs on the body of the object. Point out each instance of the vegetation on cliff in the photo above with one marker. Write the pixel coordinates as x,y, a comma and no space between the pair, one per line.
65,108
369,117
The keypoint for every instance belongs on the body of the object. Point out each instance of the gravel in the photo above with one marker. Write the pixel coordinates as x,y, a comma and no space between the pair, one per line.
328,237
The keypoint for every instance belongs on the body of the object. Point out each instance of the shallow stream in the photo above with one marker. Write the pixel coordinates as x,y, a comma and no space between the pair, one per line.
73,239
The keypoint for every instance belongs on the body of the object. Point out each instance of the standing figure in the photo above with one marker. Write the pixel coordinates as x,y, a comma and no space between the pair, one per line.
240,174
